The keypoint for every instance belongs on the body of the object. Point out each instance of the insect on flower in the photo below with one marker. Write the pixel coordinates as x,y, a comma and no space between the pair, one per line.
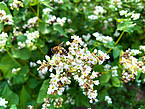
59,49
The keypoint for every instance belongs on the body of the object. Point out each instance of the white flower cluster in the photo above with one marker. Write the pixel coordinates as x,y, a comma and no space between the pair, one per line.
31,39
31,23
133,52
107,67
86,37
47,11
93,17
3,40
15,70
133,15
70,30
46,104
52,19
138,82
142,47
108,99
115,3
57,1
101,38
61,21
113,69
58,102
16,4
33,64
77,64
69,99
131,67
99,10
116,34
3,102
7,19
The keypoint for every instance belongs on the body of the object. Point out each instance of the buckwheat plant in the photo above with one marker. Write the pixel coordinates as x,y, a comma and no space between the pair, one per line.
77,65
6,19
131,65
32,39
3,40
16,4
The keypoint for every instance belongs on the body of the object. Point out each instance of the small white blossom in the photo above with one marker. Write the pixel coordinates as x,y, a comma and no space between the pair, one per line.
3,102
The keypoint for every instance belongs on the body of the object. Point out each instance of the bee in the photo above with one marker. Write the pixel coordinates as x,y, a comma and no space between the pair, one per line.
59,49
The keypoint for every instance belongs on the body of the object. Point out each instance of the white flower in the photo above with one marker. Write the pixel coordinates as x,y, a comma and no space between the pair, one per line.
108,99
96,82
3,102
123,12
135,16
92,17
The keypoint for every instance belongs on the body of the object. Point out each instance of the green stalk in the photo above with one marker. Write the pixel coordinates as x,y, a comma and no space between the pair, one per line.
116,41
13,59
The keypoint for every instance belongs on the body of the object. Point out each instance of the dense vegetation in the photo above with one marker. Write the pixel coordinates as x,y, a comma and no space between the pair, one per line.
72,53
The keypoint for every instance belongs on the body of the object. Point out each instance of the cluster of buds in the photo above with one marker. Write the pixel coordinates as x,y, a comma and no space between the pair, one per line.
102,38
31,23
3,40
58,102
6,19
31,39
77,64
131,66
16,4
46,104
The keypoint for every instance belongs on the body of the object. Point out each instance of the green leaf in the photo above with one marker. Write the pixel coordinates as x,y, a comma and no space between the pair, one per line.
1,26
43,91
21,38
10,96
24,98
138,75
4,7
33,83
33,2
23,54
83,102
58,28
40,43
116,51
116,81
126,26
13,106
105,78
44,28
6,66
21,76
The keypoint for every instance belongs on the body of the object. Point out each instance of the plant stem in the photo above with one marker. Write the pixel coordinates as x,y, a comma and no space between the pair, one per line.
116,41
13,58
41,50
35,13
34,76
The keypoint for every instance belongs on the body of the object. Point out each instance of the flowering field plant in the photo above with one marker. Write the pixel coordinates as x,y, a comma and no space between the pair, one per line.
70,54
